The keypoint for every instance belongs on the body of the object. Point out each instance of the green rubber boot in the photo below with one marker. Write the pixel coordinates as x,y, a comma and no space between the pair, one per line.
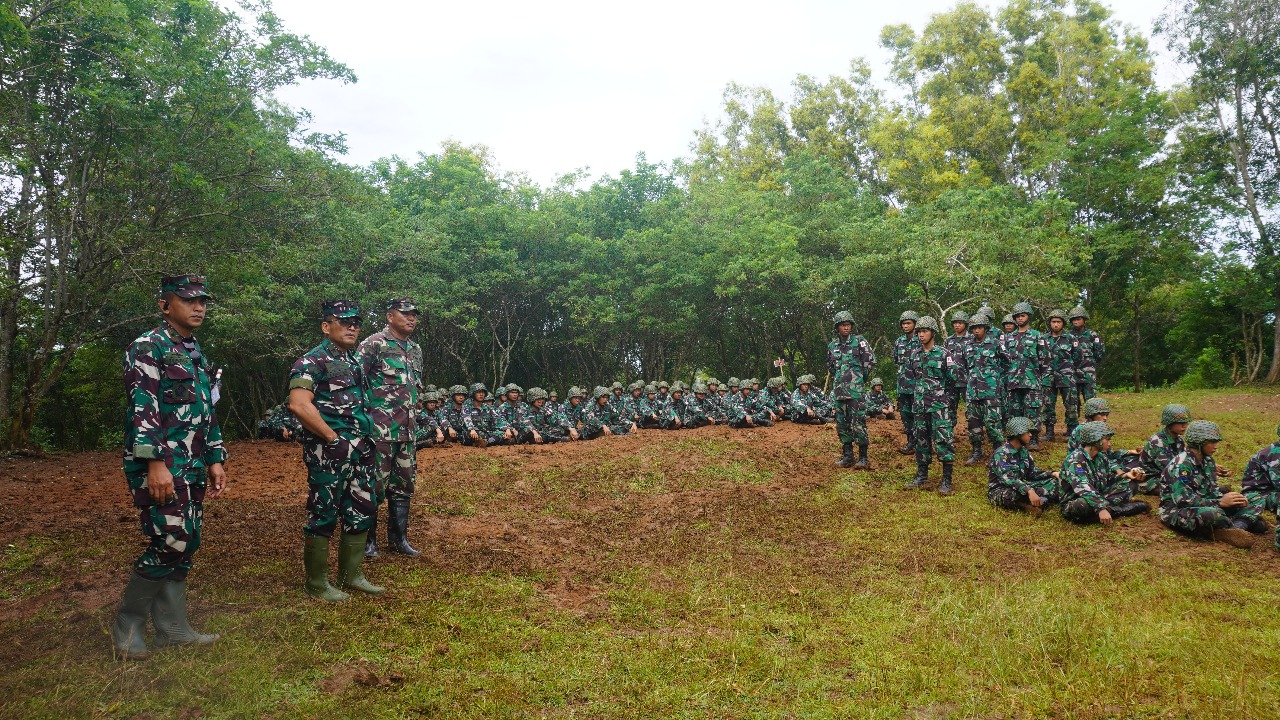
169,613
128,640
350,560
315,557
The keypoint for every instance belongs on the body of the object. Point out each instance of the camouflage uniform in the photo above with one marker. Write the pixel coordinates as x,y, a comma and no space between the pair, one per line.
517,416
1261,483
810,399
958,347
743,406
905,349
547,419
453,414
674,410
483,419
987,364
276,421
932,417
1028,366
1093,483
879,405
1092,351
1190,496
1161,449
1122,459
698,408
778,399
1064,365
1011,472
849,362
574,413
428,423
597,417
393,370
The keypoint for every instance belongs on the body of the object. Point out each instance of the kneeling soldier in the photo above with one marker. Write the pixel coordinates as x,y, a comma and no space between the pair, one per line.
1013,480
1191,500
1094,489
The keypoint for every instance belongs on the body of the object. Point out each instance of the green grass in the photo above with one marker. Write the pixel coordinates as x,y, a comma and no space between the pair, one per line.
721,587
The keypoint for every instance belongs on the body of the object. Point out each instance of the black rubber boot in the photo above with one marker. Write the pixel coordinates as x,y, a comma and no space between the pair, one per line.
1035,441
907,449
977,455
922,475
169,613
1048,433
315,557
846,456
371,545
1134,507
1258,526
944,488
398,527
128,632
350,562
864,462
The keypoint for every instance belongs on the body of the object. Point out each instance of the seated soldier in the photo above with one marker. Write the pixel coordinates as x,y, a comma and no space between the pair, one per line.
1094,489
1261,483
879,405
809,404
553,397
548,422
1013,480
279,424
672,417
602,418
649,411
715,405
454,427
430,429
1162,448
485,426
746,410
574,406
632,404
1097,409
698,409
777,398
1192,502
516,412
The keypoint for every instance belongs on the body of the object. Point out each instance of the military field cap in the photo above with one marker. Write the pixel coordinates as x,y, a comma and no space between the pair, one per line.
339,309
184,286
402,304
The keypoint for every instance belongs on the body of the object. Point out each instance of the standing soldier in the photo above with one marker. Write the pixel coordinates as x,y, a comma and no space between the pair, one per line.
392,366
1091,353
987,364
905,349
849,361
1028,369
172,451
957,345
933,425
329,394
1064,363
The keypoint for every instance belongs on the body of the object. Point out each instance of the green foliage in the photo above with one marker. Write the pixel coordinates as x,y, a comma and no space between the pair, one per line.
1206,371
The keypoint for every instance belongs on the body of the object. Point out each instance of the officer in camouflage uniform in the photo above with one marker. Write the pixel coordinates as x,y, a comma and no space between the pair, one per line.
602,418
1261,483
548,421
879,405
1095,489
849,361
1028,370
905,348
172,451
1092,351
933,425
330,395
1163,447
1097,409
278,424
392,366
1191,500
1013,480
453,413
987,364
484,425
808,404
1064,366
429,430
958,345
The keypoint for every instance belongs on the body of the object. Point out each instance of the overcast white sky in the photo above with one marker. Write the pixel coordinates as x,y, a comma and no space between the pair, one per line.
554,87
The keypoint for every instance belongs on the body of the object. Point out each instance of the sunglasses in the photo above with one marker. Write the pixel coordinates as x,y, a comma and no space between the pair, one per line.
349,321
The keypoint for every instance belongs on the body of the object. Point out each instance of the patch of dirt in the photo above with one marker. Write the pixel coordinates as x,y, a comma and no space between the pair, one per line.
360,673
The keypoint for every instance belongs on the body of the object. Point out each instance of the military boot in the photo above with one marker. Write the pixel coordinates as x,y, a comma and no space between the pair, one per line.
944,488
128,641
846,456
1035,440
922,475
1133,507
398,527
315,558
169,613
864,462
1048,433
977,455
1235,536
371,545
907,449
350,560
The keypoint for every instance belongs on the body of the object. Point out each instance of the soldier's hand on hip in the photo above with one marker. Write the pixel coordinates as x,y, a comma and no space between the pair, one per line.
159,482
217,479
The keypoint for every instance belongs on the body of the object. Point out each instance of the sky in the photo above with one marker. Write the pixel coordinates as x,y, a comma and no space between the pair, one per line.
556,87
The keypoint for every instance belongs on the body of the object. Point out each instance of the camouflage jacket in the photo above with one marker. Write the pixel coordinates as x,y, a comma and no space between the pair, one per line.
987,363
517,416
1092,479
779,401
1064,359
905,350
636,408
393,370
740,407
1028,359
171,415
933,369
596,417
1091,353
548,417
573,413
697,410
958,346
849,361
454,417
1189,483
484,419
715,407
879,401
277,419
814,400
1262,474
1159,451
340,392
1014,468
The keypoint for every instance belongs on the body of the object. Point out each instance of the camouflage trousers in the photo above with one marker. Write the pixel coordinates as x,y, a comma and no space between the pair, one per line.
340,481
954,396
1009,498
1078,511
395,470
985,413
851,421
760,420
554,435
1196,520
493,438
615,429
1023,402
1269,501
1070,406
934,432
172,529
908,417
1086,389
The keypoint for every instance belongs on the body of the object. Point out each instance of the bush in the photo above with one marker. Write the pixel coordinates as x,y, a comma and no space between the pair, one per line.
1206,371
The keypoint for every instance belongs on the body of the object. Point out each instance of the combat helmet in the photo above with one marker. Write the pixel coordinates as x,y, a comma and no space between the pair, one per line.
908,315
650,390
615,386
806,380
844,316
986,310
1096,405
1200,432
1017,426
536,393
960,316
1008,320
514,387
478,387
1057,313
735,382
1078,312
874,381
1023,307
712,381
430,388
431,396
552,394
980,320
500,391
700,388
777,382
637,385
928,323
458,390
1092,433
576,392
601,392
663,384
1174,413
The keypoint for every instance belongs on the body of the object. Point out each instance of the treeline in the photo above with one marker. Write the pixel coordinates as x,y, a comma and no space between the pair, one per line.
1021,154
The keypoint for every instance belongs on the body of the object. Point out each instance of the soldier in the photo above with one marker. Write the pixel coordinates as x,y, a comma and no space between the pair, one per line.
1064,364
516,412
698,409
777,398
632,405
1028,369
1007,326
455,426
573,407
392,366
330,395
672,418
1091,353
990,314
1093,488
746,410
664,396
429,431
905,349
958,345
849,361
602,418
734,386
1097,409
715,404
550,424
932,367
553,397
1191,500
619,396
879,404
1162,448
278,424
1013,480
173,452
647,409
1261,482
484,424
808,404
987,364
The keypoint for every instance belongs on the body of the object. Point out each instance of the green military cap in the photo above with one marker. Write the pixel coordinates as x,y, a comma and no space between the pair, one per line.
1017,426
1078,312
1200,432
339,309
960,316
537,393
1095,406
927,323
184,286
1023,307
1092,433
844,316
1174,413
874,381
402,304
908,315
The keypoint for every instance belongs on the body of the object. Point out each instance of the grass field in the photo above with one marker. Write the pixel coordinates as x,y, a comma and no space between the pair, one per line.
704,574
